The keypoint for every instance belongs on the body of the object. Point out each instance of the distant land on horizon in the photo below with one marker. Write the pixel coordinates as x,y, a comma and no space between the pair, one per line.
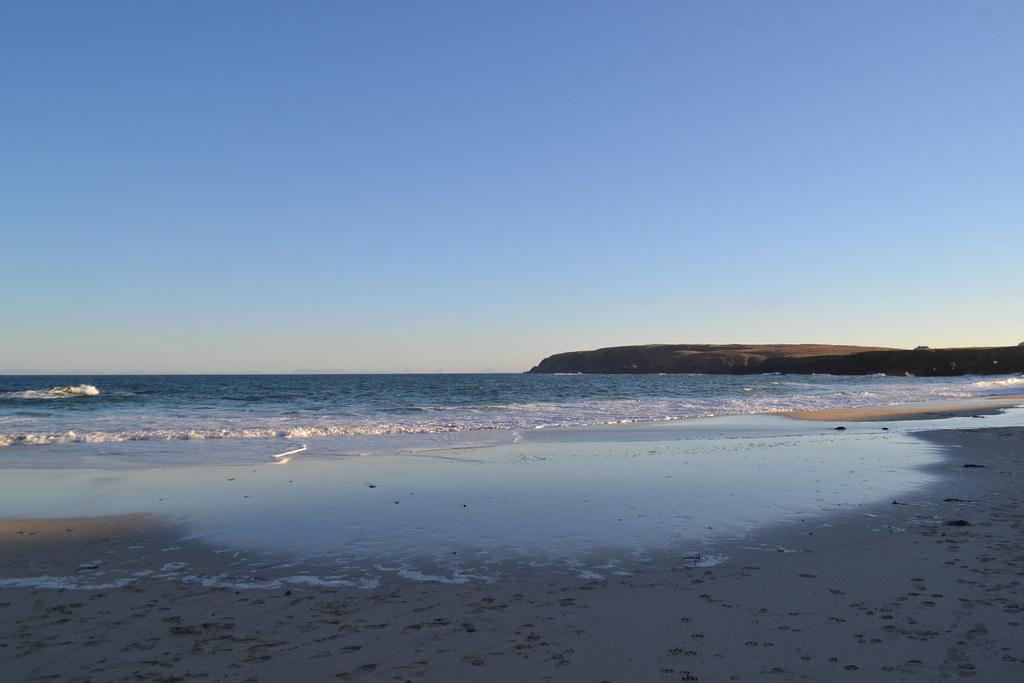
743,359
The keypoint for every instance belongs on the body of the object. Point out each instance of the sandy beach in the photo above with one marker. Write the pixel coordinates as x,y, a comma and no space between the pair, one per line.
511,342
989,405
926,587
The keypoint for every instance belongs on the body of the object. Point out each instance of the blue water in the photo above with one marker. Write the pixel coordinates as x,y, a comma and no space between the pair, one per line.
426,507
39,411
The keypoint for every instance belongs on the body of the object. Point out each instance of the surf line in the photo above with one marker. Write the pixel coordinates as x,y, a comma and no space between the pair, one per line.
284,458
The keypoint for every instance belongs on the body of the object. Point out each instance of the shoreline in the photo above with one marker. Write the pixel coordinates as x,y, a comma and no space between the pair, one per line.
883,591
120,426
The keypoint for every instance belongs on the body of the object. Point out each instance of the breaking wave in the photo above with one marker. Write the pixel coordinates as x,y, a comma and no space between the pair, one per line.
55,392
1008,385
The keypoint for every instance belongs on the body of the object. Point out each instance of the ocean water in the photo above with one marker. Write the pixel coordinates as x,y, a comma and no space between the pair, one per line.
268,415
458,478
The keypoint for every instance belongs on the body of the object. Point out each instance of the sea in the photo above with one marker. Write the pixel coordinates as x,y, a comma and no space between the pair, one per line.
247,416
459,478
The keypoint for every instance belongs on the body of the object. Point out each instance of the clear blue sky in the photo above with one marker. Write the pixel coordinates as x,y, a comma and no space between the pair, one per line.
233,186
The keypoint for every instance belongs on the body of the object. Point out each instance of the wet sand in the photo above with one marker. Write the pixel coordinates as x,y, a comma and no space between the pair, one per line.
926,587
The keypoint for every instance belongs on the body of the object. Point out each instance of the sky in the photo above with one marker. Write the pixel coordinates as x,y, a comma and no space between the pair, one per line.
466,186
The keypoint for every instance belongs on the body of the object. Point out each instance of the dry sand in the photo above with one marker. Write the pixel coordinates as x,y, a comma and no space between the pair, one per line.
884,592
913,411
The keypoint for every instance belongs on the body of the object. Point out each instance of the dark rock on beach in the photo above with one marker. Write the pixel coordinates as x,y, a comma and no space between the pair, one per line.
740,359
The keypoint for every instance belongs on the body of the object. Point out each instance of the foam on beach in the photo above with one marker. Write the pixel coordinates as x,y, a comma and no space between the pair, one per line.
62,583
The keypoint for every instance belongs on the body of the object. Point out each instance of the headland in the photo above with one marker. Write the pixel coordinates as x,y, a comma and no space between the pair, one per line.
742,359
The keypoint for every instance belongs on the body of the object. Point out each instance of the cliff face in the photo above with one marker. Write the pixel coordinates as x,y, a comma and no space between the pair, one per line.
738,359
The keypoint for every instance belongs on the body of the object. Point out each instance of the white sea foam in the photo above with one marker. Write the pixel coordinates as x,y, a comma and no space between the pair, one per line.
62,583
232,583
173,566
239,583
1008,385
54,392
704,560
590,575
366,583
457,577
